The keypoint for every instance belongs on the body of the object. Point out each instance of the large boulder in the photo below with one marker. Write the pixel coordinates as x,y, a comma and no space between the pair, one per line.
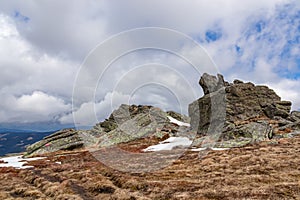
141,125
66,139
210,83
208,113
119,116
238,110
134,122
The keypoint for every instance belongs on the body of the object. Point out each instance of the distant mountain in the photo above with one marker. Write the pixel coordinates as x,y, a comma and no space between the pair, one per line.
14,137
11,130
15,141
35,127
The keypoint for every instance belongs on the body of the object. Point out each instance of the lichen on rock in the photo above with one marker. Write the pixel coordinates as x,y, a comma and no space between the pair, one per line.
127,123
239,111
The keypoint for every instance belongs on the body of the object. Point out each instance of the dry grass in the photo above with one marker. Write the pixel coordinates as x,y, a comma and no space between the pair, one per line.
260,171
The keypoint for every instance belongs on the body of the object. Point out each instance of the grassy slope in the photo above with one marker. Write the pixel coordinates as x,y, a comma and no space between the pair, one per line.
260,171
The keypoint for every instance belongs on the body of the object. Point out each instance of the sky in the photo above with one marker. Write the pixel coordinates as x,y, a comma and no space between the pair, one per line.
52,54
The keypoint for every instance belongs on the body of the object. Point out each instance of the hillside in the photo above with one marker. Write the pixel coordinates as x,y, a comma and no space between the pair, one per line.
261,171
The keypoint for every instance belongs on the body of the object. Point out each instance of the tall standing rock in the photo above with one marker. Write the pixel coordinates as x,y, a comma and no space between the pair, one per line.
234,110
210,83
208,113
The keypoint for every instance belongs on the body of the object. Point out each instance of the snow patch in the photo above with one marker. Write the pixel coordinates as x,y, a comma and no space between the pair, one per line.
179,123
17,162
170,143
199,149
205,148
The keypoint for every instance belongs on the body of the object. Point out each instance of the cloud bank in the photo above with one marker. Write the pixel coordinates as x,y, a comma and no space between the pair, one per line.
43,45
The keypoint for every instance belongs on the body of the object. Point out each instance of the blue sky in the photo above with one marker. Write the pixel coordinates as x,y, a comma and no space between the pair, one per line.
19,17
43,45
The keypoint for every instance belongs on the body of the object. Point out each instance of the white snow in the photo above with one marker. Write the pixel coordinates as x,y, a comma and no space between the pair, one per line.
219,149
58,163
199,149
205,148
17,162
179,123
170,143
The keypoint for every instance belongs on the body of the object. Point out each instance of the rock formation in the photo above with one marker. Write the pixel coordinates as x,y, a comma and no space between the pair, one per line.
133,122
128,122
240,111
228,115
66,139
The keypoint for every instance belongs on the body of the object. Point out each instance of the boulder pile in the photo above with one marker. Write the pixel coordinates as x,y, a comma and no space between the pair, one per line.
228,115
240,113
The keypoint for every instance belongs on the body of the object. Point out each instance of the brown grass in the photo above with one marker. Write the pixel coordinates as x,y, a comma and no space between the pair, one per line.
260,171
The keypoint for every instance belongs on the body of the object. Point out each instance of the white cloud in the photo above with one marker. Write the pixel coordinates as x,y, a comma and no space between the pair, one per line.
44,52
192,16
288,90
25,69
40,102
60,28
90,113
37,106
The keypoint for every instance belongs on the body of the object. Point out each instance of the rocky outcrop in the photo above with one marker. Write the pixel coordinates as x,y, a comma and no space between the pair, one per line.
292,122
135,122
240,111
128,122
119,116
66,139
228,115
139,126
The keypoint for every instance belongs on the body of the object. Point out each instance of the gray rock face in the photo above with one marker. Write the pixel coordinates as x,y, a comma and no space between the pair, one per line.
245,100
208,113
257,131
121,115
210,83
240,110
125,124
135,122
141,125
66,139
295,116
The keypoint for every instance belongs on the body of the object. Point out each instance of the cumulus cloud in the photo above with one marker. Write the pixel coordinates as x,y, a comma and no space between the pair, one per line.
43,44
24,68
90,113
192,16
37,106
60,28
